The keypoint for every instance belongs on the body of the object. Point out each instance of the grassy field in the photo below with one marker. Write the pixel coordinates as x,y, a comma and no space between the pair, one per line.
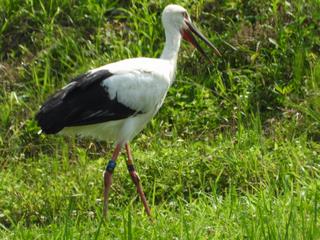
233,154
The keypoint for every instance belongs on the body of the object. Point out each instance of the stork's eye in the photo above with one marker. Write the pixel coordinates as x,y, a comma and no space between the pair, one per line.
185,14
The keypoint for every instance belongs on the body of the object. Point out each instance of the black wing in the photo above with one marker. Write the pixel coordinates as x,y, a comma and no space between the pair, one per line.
82,102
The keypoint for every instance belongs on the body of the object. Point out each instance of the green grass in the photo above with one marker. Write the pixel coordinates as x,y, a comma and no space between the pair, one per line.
233,154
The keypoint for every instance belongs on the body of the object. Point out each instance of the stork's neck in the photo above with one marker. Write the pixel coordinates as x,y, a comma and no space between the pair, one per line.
171,49
172,45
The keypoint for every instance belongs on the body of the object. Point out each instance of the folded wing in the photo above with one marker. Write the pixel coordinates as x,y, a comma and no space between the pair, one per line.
83,101
101,96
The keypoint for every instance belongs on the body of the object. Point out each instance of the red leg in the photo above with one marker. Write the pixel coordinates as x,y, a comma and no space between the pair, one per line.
108,178
136,180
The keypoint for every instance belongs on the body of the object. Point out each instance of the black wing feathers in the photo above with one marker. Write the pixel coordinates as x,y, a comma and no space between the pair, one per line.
82,102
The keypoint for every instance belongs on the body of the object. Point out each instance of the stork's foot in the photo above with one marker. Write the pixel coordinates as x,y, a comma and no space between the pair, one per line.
136,180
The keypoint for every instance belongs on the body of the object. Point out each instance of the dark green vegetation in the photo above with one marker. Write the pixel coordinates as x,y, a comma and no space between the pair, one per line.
233,154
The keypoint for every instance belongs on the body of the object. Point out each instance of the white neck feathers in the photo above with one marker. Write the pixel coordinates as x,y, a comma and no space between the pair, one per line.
172,45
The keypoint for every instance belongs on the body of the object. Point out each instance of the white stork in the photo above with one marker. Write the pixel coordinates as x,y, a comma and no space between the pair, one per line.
116,101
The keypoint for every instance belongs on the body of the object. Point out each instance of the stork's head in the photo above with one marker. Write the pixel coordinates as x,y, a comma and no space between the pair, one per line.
176,19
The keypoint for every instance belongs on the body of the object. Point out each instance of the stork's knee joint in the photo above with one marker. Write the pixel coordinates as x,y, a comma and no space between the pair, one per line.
111,166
